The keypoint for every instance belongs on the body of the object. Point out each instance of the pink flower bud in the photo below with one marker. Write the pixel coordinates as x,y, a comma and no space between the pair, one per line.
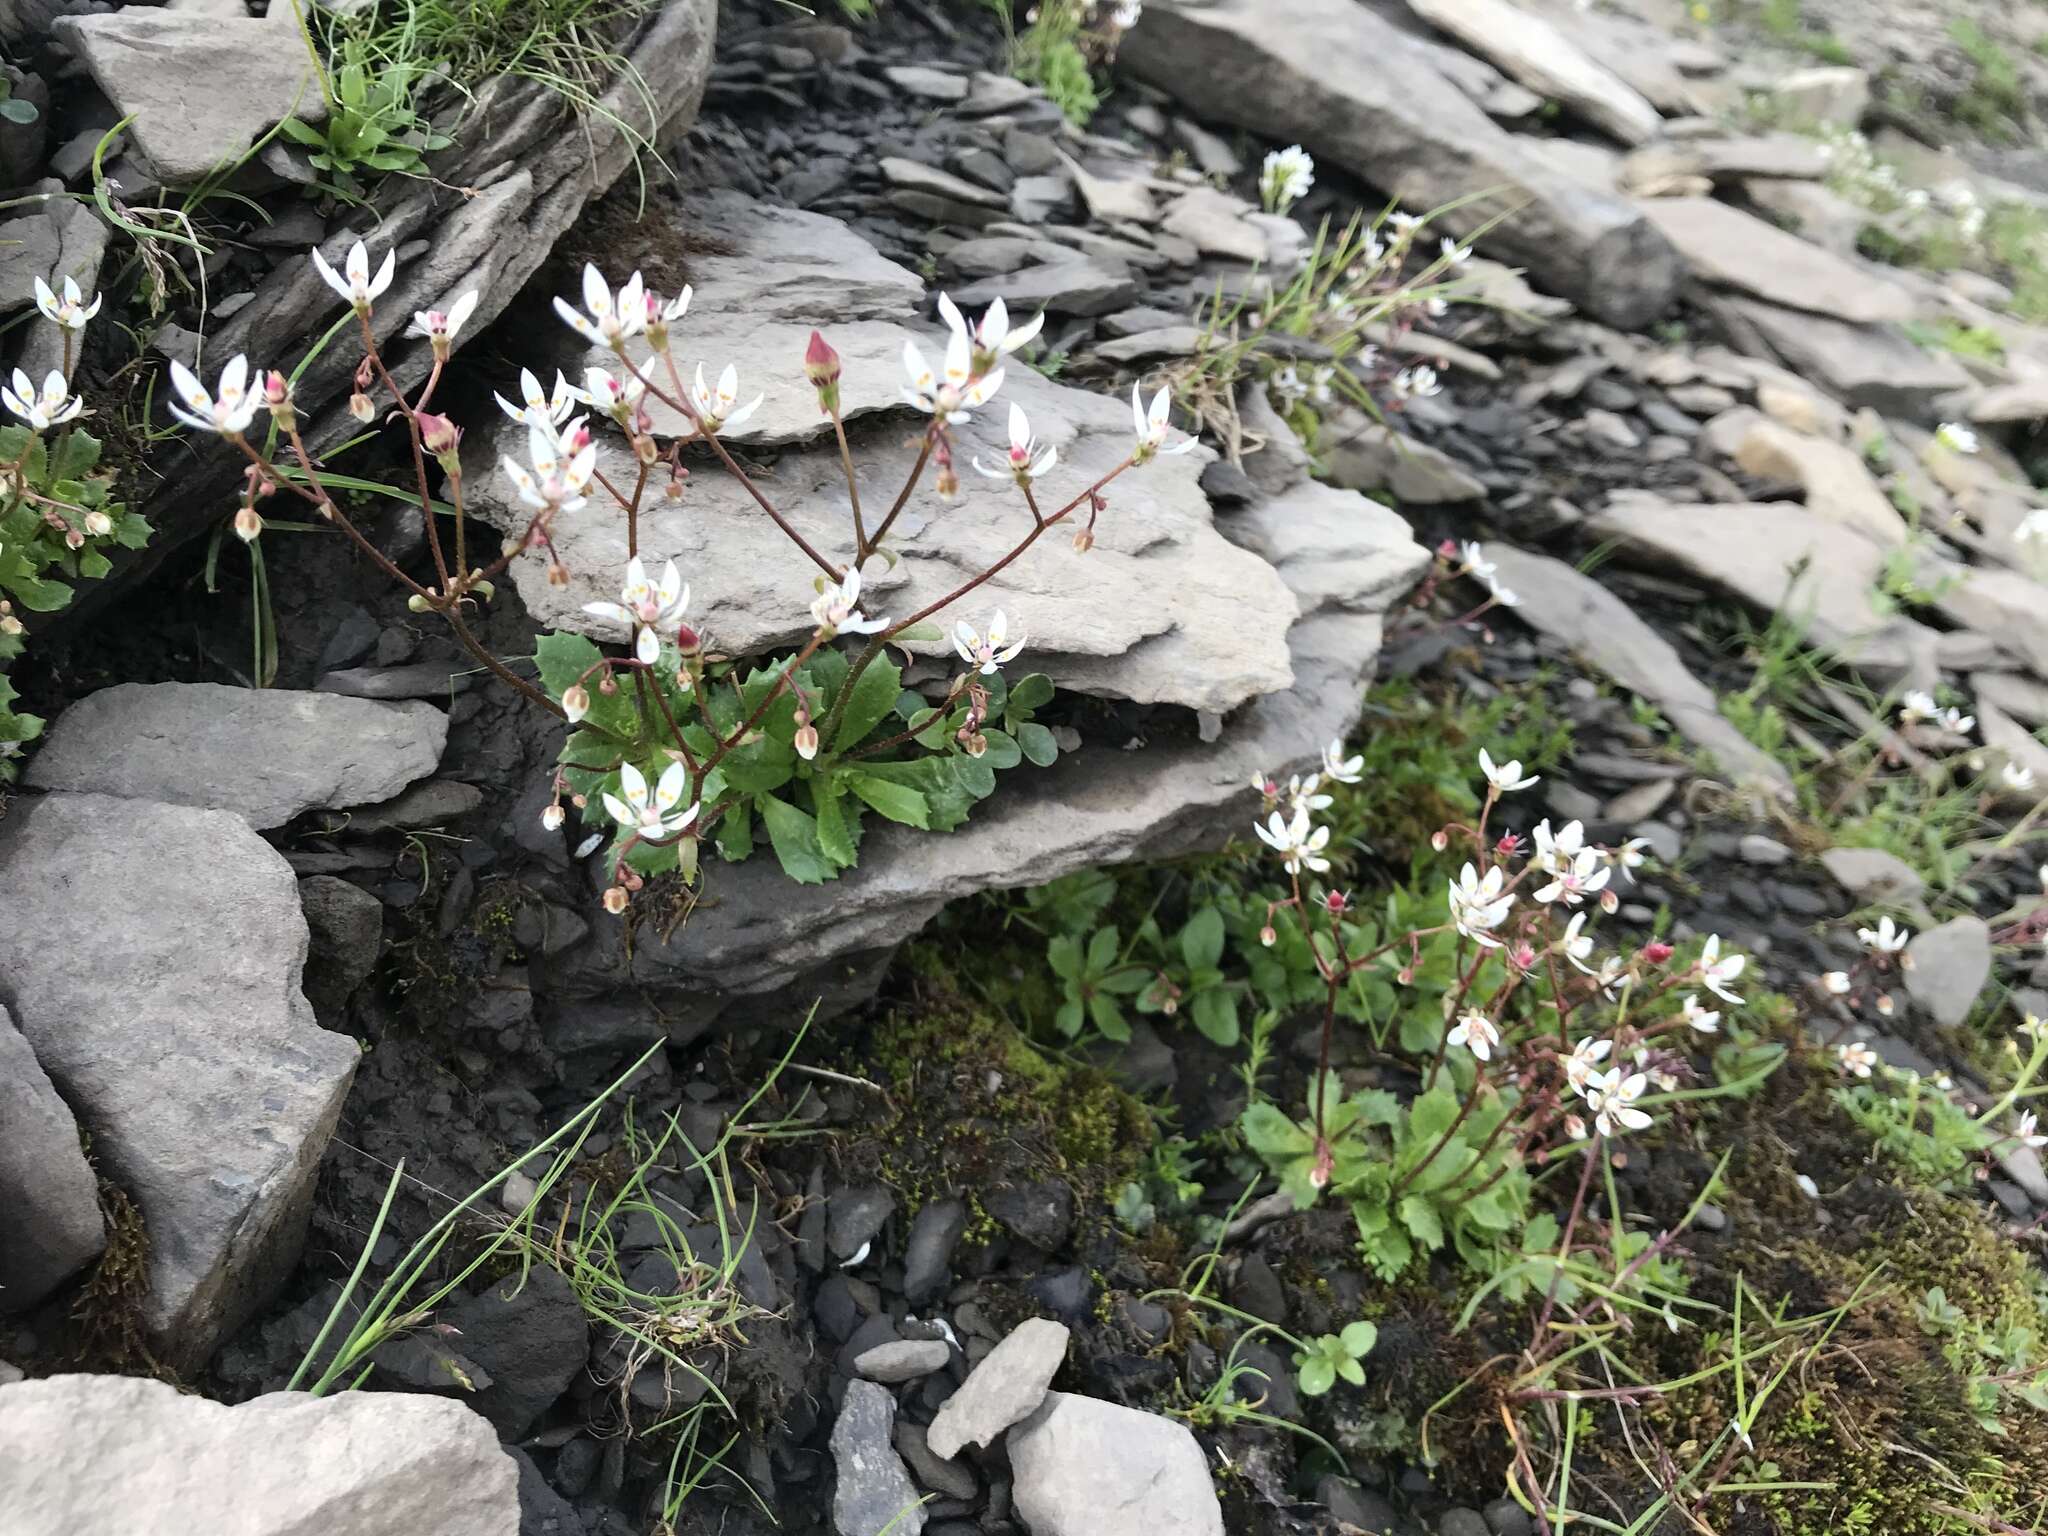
1268,937
1657,952
575,701
1440,840
615,900
607,684
1405,975
806,742
1084,540
1610,903
438,433
362,407
578,440
553,817
688,640
1448,550
822,368
1507,845
248,524
1522,956
1335,902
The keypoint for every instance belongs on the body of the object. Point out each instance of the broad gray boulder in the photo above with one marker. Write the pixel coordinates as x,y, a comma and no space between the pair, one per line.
199,88
1529,49
1731,249
50,1224
264,753
118,1455
1085,1467
1164,609
1362,93
1946,967
152,953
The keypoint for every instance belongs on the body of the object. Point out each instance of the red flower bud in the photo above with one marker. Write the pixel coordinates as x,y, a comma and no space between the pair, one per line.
1657,953
1336,902
438,433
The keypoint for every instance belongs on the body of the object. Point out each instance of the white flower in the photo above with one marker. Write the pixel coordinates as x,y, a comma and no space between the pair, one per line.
615,397
1505,777
1286,176
646,609
1806,1186
1476,563
1887,938
1305,794
1557,851
439,328
715,410
1454,254
1576,945
557,479
540,410
1476,1033
648,815
228,411
2033,528
70,311
1855,1057
1505,596
1956,437
52,406
2027,1135
986,652
552,816
948,399
353,282
1420,380
1478,905
1025,462
1917,706
1288,386
992,336
1628,858
1344,770
1126,15
1151,426
1836,983
1299,845
607,321
1612,1099
1704,1020
1716,972
1583,1065
1955,720
2017,777
835,605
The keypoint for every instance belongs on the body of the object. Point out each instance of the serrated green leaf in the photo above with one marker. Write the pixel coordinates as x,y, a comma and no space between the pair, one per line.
1102,950
75,456
870,703
1063,954
793,834
565,659
1420,1218
898,802
1268,1132
760,766
1069,1018
834,836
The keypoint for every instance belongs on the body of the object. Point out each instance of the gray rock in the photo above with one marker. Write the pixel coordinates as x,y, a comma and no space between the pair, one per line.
1755,848
1040,1213
185,1048
346,924
1874,876
2012,743
1069,286
1111,201
989,93
1774,556
1837,483
1173,341
935,1232
1216,224
1827,96
1998,602
1529,49
1362,93
855,1217
51,1200
429,803
1462,1522
993,255
58,240
1010,1383
954,1479
903,1360
1605,632
88,1453
1504,1517
1740,157
264,753
1869,365
1946,968
2024,698
531,1336
1366,455
160,69
422,680
925,83
1211,153
1085,1467
916,176
874,1493
1731,249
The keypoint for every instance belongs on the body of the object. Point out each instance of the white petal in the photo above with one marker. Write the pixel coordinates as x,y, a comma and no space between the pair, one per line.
670,789
384,274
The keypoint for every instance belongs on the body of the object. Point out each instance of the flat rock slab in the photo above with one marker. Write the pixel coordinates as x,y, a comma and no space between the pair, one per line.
1607,634
1085,1467
1164,609
1010,1383
114,1455
199,88
179,1037
1731,249
1362,93
1838,485
50,1224
874,1494
1874,365
1527,48
1774,556
264,753
1947,967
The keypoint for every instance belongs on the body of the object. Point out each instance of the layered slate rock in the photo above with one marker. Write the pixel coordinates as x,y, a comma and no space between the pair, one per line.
152,953
1360,92
199,89
1873,365
264,753
101,1455
1527,48
1162,610
874,1493
50,1224
1731,249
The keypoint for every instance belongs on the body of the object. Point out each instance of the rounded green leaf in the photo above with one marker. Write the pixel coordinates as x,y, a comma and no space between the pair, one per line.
1318,1375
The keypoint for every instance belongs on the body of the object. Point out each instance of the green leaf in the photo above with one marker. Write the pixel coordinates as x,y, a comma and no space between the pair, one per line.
1069,1018
1420,1218
302,133
1201,941
761,765
1358,1338
1268,1132
794,836
1003,752
1063,954
835,837
565,659
1033,691
76,456
736,832
1108,1017
39,595
1429,1117
898,802
1215,1015
871,702
1102,950
92,564
352,85
1351,1371
1318,1375
1489,1211
975,776
1035,741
